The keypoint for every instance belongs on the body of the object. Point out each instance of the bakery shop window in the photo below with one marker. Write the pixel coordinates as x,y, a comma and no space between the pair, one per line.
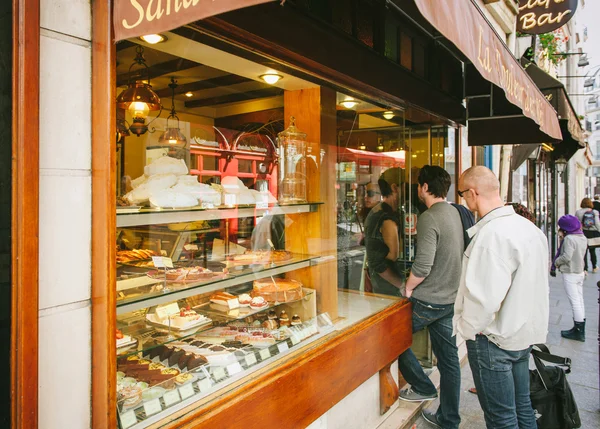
220,244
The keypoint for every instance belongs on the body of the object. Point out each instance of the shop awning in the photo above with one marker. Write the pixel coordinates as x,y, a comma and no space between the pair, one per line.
556,93
140,17
504,104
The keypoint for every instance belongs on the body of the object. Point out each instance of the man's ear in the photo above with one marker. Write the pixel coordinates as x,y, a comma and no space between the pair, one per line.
425,187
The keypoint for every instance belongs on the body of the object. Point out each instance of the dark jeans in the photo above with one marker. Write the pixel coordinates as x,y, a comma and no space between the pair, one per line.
438,318
502,381
590,250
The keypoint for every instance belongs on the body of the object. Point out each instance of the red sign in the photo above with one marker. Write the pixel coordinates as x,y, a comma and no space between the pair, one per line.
544,16
133,18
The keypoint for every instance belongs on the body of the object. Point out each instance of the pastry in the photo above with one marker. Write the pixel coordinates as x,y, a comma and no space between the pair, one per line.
284,319
262,257
185,319
166,352
155,366
124,256
132,396
177,274
183,360
195,361
182,379
277,290
270,324
225,299
296,320
272,315
244,300
196,273
258,302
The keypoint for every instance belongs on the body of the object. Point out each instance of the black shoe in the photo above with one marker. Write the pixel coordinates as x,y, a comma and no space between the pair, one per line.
576,333
431,418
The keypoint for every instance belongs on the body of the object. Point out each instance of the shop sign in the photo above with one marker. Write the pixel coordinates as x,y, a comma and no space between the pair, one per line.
462,23
544,16
134,18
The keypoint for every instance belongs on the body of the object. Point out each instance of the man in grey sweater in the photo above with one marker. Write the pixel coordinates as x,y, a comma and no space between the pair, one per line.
432,288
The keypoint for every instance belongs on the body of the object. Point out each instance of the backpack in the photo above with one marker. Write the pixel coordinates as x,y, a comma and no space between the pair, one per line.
588,220
551,396
467,219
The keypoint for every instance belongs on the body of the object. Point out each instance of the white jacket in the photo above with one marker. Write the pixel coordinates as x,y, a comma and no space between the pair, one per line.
503,290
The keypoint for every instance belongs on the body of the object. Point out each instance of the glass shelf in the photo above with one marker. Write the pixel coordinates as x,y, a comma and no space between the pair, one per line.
143,292
144,333
149,216
207,378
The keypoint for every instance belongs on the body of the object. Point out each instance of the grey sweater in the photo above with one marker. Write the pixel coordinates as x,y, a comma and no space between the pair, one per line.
440,247
572,253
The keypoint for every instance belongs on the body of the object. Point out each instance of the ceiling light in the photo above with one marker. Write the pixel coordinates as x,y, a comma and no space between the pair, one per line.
189,94
173,135
139,98
271,78
349,103
153,39
388,114
362,146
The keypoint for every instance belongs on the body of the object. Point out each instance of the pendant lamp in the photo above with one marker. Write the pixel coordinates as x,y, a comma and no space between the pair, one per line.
173,135
139,98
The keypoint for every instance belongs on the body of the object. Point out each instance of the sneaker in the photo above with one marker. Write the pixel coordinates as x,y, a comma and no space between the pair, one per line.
431,418
595,270
410,395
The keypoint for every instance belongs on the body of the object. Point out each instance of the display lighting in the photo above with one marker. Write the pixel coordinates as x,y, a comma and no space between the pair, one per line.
153,39
173,135
271,78
388,114
349,103
189,94
139,98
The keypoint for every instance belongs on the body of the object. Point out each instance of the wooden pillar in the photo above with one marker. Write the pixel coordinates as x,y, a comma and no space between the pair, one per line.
316,233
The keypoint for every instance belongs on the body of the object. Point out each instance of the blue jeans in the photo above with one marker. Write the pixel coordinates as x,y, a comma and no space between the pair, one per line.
502,381
438,318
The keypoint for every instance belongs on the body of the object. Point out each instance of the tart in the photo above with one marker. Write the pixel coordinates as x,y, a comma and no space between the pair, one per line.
277,290
182,379
258,302
132,396
244,300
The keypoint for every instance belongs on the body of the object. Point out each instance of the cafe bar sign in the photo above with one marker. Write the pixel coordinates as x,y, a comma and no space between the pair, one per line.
544,16
134,18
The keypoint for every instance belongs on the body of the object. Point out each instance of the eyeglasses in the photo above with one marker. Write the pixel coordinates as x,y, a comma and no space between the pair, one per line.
371,194
461,193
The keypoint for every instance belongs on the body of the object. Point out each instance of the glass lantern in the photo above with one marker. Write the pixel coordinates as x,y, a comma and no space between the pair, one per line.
292,165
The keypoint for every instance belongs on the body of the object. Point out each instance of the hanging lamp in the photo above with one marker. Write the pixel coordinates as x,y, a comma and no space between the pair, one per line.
173,135
139,98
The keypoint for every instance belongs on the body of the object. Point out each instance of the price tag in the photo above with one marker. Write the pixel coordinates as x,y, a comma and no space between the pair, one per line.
263,205
152,407
219,373
282,347
171,398
250,359
265,354
128,419
190,247
164,311
162,262
295,340
234,368
186,391
204,385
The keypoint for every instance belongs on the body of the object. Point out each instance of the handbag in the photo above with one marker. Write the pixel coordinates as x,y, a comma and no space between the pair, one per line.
551,396
593,242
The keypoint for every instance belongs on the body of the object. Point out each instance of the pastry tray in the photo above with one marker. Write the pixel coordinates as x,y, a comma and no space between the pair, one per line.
185,331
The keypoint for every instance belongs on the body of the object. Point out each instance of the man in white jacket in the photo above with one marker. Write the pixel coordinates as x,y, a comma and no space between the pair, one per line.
501,308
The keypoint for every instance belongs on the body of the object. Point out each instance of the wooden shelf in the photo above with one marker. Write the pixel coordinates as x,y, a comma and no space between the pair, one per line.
166,216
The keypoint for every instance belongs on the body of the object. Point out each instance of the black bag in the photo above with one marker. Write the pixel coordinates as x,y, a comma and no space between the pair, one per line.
551,396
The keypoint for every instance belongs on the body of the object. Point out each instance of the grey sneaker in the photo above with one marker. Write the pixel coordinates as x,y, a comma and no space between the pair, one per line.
431,418
410,395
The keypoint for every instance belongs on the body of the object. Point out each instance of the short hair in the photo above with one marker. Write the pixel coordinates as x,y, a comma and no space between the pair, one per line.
586,203
597,197
438,180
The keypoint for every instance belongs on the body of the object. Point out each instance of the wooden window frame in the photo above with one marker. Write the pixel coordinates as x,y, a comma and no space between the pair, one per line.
25,213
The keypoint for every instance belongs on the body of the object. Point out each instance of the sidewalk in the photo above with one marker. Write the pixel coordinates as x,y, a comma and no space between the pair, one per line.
583,379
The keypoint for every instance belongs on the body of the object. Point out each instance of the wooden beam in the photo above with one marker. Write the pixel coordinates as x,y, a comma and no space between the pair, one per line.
104,229
25,213
232,98
157,70
227,80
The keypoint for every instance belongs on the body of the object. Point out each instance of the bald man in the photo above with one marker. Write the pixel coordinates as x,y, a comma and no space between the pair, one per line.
501,308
